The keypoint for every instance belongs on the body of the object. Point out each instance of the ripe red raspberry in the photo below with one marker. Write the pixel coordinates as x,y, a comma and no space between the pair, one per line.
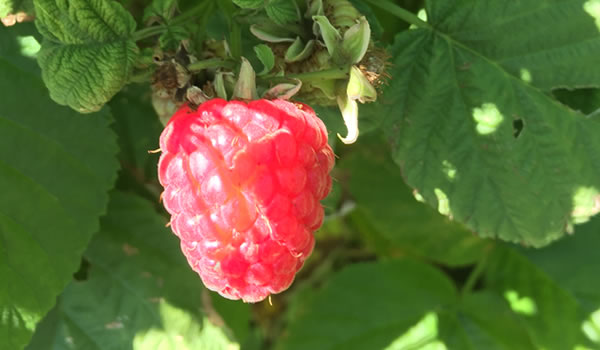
242,183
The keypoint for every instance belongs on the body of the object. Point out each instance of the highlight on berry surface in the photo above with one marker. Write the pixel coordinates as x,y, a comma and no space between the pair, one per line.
243,184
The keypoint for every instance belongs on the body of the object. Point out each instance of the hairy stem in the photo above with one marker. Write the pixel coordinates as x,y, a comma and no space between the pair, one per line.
400,12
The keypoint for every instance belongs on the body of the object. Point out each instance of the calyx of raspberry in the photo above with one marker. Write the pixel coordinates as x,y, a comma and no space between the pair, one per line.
332,36
324,57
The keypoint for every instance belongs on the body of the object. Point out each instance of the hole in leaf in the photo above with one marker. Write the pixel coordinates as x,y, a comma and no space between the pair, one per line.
517,127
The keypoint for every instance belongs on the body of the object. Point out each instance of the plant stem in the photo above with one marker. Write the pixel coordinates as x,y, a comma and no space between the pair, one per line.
210,63
399,12
335,73
148,32
476,273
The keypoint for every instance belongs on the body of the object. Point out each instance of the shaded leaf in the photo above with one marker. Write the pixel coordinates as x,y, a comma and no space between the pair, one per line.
55,170
139,294
366,306
138,128
88,55
484,321
552,288
394,213
282,12
249,4
402,305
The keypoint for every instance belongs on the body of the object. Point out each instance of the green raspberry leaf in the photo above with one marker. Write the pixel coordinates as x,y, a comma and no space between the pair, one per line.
526,39
400,304
250,4
55,171
386,299
393,213
474,134
483,320
139,292
282,12
88,55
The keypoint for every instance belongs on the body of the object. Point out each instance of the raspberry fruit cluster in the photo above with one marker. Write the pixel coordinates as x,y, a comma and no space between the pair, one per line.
243,184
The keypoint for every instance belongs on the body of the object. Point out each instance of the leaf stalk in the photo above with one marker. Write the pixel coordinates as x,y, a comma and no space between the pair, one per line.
400,12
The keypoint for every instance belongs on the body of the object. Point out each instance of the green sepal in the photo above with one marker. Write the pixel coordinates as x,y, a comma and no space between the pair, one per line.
298,51
266,57
245,87
349,109
271,34
331,36
219,85
356,41
359,88
283,91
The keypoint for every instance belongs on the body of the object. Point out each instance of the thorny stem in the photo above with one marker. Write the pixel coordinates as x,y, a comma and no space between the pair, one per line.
399,12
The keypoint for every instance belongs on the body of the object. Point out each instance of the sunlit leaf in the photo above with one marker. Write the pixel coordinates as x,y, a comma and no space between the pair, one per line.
87,55
468,132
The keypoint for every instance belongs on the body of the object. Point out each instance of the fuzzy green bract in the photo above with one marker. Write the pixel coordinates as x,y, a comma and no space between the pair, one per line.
474,128
88,51
55,171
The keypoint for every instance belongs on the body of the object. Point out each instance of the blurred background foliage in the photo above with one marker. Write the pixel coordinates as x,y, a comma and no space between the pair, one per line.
389,272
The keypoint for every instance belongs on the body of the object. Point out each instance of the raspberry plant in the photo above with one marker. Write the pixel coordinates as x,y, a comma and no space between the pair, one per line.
461,210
